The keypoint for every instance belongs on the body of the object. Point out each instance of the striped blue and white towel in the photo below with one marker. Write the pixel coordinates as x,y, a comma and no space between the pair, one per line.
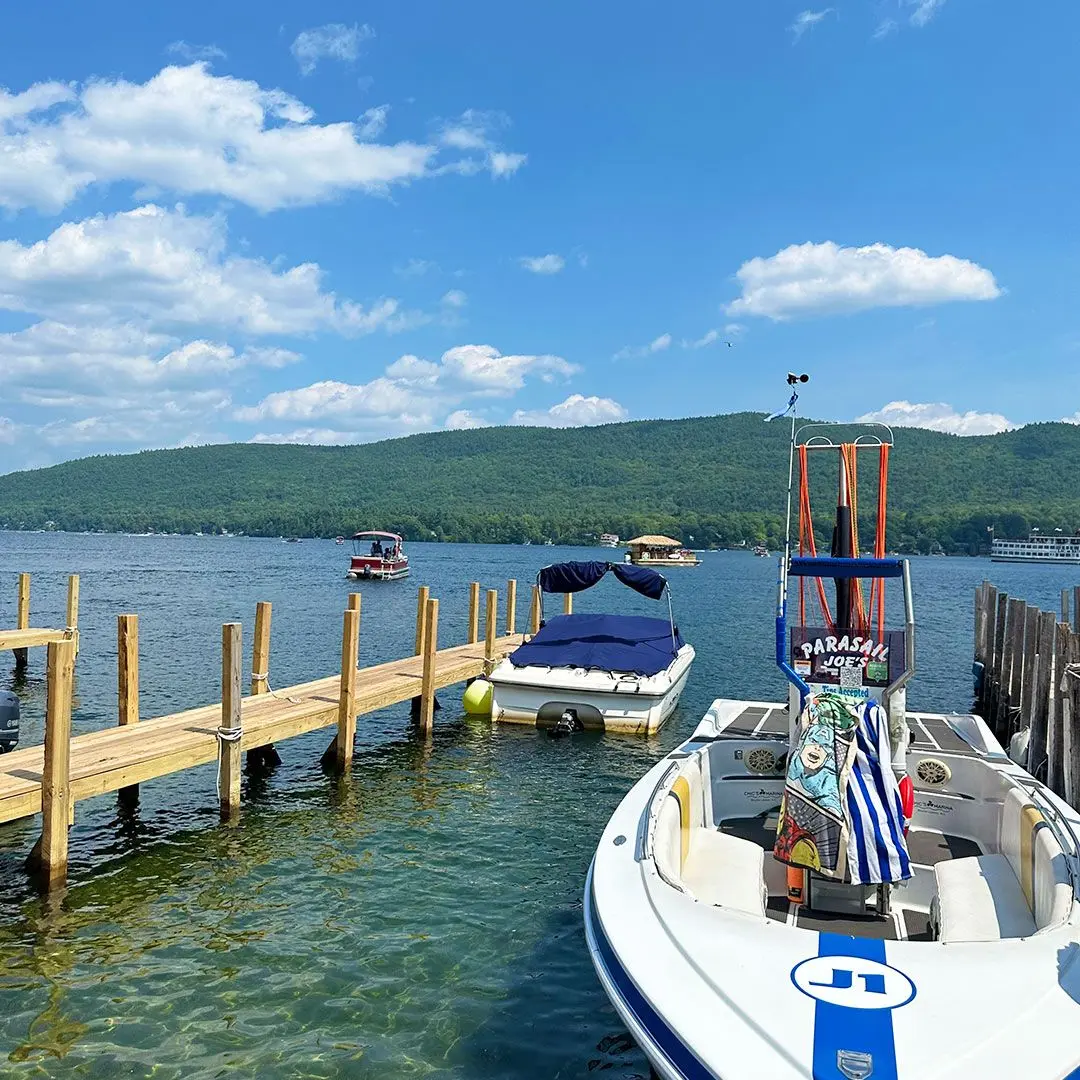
876,848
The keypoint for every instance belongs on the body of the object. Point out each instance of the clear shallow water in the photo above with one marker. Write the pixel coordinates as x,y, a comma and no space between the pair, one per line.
422,917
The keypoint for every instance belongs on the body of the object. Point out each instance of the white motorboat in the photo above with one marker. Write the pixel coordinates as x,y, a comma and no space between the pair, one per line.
597,672
832,886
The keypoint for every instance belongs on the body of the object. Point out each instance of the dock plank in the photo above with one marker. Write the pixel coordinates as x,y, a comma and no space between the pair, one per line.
111,758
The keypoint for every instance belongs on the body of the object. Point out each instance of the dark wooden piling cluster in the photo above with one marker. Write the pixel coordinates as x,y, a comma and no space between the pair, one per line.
51,777
1029,662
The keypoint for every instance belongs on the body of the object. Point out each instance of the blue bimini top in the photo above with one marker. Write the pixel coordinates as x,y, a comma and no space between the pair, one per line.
632,644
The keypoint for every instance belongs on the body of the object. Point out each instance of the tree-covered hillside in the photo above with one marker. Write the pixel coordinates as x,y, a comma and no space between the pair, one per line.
718,479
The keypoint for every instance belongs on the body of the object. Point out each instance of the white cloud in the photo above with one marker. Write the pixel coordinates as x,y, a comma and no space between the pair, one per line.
459,420
114,360
455,298
575,411
189,131
937,416
807,19
924,11
543,264
9,430
815,279
885,28
415,268
659,344
334,41
412,389
372,122
472,133
189,52
307,437
734,329
166,268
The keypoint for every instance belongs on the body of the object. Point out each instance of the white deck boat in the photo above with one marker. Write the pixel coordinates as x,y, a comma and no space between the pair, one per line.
834,887
595,672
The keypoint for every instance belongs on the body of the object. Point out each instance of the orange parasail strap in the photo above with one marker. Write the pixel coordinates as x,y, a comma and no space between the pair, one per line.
808,543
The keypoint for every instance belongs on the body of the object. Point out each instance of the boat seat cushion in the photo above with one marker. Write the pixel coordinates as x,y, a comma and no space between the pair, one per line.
980,899
725,871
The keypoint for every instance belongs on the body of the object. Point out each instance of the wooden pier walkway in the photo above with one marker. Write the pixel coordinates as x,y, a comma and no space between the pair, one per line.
51,778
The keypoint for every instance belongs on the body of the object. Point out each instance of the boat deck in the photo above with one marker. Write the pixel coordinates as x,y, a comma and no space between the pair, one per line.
930,732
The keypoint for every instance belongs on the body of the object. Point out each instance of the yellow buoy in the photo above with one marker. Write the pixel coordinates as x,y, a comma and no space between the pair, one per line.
477,700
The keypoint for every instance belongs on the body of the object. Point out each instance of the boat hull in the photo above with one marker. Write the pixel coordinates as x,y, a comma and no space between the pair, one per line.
601,700
665,562
373,570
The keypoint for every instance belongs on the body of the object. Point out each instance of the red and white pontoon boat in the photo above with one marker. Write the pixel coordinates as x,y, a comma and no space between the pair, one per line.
378,556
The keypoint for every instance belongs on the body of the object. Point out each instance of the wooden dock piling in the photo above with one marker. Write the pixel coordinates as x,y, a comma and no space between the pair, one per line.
491,630
22,620
1031,682
230,731
127,686
534,611
50,856
568,603
261,757
511,605
474,612
422,598
427,682
350,648
72,624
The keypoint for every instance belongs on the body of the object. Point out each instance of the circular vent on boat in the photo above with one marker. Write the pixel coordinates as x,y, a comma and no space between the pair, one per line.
932,772
761,761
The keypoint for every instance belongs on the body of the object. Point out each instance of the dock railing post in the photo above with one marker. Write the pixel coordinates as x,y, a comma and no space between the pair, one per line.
491,630
127,686
350,650
427,683
534,611
1061,714
511,606
1065,593
474,612
568,603
22,621
997,683
230,731
1031,665
73,609
51,857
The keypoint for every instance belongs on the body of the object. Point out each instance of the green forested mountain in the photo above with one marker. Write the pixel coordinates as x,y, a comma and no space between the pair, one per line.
718,479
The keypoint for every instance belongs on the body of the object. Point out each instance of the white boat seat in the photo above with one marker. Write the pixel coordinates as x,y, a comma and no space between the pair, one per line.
1019,891
725,871
980,899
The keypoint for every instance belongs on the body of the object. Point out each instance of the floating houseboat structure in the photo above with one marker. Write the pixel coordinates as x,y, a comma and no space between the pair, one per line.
660,551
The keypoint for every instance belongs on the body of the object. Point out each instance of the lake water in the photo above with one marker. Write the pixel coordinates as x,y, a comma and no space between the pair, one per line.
421,918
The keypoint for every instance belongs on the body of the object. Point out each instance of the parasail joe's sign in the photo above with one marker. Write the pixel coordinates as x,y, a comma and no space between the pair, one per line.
848,660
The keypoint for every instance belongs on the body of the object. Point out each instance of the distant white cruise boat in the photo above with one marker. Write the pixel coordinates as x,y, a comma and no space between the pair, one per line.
609,540
1038,547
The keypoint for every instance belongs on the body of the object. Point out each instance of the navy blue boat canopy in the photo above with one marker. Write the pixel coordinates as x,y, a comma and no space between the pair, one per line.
832,567
569,577
632,644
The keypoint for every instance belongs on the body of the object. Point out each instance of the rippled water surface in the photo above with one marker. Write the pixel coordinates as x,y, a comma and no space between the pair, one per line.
422,917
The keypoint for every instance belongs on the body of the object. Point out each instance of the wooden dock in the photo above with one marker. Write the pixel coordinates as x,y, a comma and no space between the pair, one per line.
24,636
51,778
1027,675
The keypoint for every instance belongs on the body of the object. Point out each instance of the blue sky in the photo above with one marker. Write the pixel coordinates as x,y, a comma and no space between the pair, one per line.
343,222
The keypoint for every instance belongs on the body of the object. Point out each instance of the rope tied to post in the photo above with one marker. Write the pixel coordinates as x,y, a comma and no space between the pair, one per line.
264,677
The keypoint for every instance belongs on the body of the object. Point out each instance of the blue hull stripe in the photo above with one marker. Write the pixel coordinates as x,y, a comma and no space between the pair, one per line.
679,1057
837,1028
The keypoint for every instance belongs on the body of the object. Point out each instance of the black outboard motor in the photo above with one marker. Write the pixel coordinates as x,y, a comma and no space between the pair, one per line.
9,721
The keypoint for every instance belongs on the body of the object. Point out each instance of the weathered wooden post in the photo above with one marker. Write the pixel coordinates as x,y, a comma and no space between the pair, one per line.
230,731
427,682
1044,696
1076,609
421,618
491,629
1070,743
127,686
1061,714
474,612
534,611
73,609
998,667
261,756
511,606
50,856
22,620
568,603
1065,606
350,648
1031,662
